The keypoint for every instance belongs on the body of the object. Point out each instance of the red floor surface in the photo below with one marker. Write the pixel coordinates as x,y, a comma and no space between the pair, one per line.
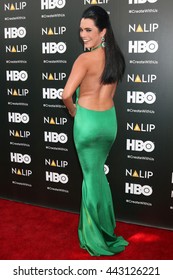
34,233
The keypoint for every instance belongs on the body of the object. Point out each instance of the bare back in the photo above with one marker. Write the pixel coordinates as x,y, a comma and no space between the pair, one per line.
93,94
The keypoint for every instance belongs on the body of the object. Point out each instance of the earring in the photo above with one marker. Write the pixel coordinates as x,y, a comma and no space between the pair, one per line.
103,42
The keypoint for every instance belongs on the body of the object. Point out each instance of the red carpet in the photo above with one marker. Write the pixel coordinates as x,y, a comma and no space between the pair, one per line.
36,233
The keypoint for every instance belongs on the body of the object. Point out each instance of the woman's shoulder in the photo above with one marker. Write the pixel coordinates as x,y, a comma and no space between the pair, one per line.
84,56
91,55
82,60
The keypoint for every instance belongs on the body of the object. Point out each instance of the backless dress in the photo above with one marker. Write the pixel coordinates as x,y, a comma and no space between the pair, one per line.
94,134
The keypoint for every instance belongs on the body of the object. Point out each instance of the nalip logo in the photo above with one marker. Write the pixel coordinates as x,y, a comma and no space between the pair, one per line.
17,6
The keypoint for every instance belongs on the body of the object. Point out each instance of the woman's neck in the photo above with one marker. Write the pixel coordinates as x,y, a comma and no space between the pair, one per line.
99,46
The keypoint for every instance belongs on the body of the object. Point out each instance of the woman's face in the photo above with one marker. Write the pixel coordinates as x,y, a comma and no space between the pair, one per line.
90,34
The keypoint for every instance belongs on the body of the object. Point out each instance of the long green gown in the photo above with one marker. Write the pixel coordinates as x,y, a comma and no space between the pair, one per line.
94,134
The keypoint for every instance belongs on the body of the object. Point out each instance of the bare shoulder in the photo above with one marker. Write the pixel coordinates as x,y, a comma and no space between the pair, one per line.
83,59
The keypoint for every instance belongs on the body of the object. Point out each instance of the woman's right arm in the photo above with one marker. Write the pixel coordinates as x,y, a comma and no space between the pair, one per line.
76,76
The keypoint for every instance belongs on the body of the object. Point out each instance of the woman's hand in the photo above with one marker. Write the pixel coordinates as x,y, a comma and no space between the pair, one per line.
73,111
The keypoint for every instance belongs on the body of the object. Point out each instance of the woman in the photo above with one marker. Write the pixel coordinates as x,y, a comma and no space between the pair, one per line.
95,75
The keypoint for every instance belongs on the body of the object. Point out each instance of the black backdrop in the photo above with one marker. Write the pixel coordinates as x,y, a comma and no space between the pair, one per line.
39,43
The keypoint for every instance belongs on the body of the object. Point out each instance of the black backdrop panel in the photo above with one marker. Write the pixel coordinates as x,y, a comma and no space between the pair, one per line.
39,165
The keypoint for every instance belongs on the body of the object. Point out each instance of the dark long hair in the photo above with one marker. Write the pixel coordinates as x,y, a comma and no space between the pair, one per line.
115,62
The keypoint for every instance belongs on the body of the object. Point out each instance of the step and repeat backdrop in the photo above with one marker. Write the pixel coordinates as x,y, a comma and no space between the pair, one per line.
38,162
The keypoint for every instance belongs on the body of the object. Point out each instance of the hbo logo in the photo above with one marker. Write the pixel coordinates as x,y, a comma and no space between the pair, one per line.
138,189
19,158
142,46
139,145
52,4
53,47
141,1
14,32
106,169
18,118
14,75
140,97
56,178
52,93
55,137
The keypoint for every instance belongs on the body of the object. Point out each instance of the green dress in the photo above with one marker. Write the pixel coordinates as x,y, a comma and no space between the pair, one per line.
94,134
